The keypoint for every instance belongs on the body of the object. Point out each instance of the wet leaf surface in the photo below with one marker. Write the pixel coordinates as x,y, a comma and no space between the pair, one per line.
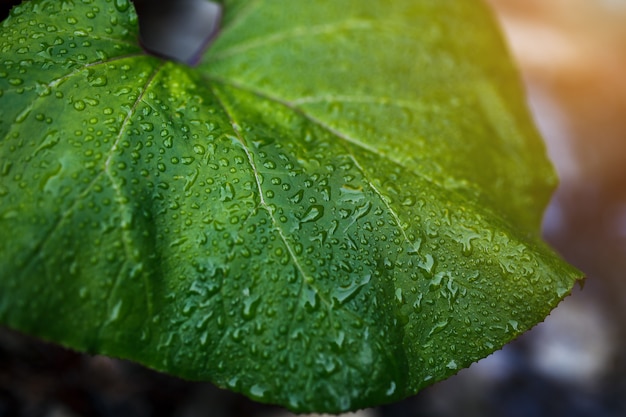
338,207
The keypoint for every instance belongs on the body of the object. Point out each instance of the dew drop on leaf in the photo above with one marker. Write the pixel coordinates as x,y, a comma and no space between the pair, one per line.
313,213
79,105
99,81
122,5
115,312
343,294
227,192
250,305
297,197
147,127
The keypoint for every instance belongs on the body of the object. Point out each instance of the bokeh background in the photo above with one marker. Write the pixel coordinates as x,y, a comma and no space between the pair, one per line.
572,55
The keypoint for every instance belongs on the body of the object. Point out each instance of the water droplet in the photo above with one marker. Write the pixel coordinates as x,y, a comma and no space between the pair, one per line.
344,293
561,291
361,211
438,327
51,139
399,295
417,305
6,168
257,391
22,116
250,305
339,339
297,197
313,213
79,105
115,311
227,192
428,264
232,383
100,81
237,335
388,263
136,270
122,5
309,296
408,201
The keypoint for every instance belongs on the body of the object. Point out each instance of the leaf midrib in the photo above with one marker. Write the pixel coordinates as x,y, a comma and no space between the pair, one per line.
306,279
104,171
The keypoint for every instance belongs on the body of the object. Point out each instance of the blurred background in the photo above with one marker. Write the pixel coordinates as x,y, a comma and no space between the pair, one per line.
572,54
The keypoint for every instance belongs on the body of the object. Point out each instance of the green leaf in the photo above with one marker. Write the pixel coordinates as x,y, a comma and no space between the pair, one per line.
338,207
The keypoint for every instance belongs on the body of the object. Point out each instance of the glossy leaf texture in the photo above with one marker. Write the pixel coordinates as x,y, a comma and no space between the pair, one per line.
338,207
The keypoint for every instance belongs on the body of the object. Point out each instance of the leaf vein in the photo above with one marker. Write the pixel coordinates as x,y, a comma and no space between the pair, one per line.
413,247
258,181
117,187
296,32
54,229
376,100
